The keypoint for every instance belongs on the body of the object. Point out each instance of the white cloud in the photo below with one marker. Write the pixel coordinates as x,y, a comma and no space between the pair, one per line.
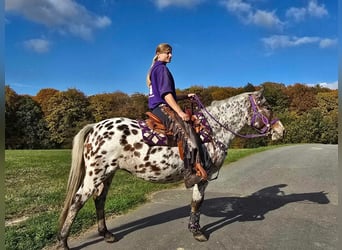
298,14
282,41
329,85
265,19
312,9
102,22
326,43
249,15
38,45
66,16
315,10
237,6
177,3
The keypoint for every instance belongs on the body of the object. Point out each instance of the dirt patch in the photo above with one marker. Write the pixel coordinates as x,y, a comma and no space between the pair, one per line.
16,221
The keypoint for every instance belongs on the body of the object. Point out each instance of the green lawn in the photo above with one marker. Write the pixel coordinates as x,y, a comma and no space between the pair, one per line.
35,182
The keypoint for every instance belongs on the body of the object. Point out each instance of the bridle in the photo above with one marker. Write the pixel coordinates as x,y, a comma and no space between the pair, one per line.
257,113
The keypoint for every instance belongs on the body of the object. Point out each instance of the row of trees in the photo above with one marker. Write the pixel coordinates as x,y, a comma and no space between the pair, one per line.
52,118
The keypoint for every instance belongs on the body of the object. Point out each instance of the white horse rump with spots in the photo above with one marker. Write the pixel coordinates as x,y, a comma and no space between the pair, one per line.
102,148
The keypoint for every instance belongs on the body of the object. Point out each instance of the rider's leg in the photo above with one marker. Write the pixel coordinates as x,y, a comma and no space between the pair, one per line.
185,133
190,176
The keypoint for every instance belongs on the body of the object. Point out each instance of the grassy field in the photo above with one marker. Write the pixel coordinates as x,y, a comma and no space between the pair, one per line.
35,182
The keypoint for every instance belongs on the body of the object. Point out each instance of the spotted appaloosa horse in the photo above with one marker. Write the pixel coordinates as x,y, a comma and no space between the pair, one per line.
102,148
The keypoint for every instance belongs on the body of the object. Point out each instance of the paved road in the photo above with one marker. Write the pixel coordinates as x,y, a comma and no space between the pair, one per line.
285,198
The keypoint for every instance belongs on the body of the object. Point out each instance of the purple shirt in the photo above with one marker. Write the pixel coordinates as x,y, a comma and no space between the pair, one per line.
162,83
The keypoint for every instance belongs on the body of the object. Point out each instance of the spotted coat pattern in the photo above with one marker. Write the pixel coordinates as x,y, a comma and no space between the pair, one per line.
102,148
117,144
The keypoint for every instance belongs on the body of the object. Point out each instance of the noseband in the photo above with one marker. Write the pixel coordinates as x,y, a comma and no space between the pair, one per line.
256,114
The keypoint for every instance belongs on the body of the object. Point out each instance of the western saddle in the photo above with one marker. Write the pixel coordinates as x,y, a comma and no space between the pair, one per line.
154,123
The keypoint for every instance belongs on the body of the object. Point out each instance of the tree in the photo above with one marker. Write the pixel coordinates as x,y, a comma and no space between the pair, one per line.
101,106
203,93
309,114
138,105
68,112
32,132
329,129
219,93
249,87
327,101
108,105
302,98
43,96
275,94
312,127
328,106
25,126
11,104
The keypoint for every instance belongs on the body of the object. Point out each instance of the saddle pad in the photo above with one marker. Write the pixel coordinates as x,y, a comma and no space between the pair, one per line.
151,137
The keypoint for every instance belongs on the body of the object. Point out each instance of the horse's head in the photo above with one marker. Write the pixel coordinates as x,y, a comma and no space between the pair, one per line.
262,116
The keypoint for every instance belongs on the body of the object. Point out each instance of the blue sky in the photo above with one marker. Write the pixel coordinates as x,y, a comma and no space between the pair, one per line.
101,46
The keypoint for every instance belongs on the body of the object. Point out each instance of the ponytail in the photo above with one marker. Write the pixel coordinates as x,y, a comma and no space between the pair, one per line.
148,76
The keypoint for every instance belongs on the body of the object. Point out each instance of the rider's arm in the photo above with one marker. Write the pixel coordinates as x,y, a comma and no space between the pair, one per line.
174,105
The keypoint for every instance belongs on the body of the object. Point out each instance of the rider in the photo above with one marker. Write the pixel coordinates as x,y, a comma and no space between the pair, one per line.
162,101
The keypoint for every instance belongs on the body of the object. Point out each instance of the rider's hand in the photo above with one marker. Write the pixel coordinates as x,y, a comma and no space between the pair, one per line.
184,116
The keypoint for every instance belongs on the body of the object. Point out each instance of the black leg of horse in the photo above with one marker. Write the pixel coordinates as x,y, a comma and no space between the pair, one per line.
100,212
196,202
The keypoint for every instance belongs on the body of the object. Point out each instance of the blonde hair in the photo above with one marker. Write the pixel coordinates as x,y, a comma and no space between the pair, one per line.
163,47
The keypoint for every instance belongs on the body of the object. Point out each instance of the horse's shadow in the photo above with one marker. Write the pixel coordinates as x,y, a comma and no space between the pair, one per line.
227,209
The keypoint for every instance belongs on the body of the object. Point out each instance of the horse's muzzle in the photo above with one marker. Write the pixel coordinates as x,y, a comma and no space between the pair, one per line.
277,131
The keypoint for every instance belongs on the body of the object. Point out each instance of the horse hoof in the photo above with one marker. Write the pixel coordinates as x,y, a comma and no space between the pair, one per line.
109,237
200,236
62,246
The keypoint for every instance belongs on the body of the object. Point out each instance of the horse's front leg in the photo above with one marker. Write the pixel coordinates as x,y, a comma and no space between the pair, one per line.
196,202
100,200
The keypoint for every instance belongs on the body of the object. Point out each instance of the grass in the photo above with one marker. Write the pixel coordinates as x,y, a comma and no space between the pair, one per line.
35,182
236,154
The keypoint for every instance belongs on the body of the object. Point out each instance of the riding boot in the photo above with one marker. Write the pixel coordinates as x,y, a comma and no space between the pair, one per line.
190,178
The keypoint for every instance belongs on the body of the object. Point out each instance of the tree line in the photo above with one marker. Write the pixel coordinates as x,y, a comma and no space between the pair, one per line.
52,118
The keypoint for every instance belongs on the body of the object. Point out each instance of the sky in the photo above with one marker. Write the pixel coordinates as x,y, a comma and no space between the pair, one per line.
104,46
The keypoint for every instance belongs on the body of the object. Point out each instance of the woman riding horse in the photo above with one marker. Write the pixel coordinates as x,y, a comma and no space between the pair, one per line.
162,101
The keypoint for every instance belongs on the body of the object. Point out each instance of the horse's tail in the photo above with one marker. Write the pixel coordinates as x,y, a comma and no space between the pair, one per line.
77,171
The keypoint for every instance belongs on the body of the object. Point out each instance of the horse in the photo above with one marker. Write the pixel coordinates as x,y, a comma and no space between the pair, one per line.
101,148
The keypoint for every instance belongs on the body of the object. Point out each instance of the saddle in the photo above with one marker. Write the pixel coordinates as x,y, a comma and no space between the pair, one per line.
199,124
156,133
154,123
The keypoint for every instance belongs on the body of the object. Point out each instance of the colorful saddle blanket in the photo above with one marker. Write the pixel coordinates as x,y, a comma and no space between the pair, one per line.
154,133
151,136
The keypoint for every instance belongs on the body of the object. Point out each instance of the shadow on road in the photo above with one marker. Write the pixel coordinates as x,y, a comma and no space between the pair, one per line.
227,209
253,207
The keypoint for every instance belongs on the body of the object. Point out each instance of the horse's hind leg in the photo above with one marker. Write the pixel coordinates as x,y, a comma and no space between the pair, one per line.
100,201
196,202
80,198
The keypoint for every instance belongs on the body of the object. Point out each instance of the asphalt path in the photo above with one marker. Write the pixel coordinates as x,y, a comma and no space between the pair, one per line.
284,198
